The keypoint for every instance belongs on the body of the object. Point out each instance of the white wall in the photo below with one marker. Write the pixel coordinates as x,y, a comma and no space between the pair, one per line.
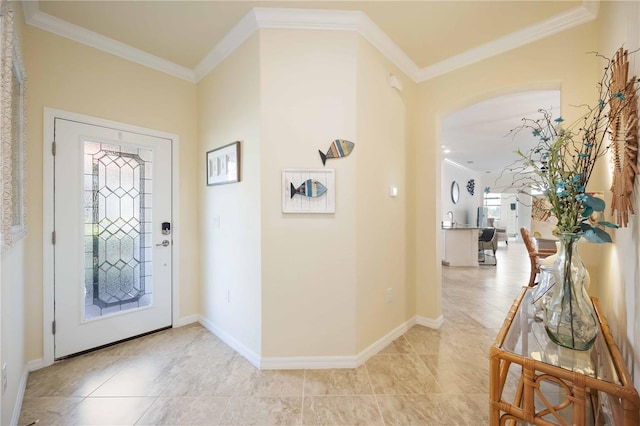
231,287
465,210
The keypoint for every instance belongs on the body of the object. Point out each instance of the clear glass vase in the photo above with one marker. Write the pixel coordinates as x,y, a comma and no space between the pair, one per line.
543,291
569,317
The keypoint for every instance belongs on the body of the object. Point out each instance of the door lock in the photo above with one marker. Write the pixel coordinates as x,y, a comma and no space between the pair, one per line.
164,243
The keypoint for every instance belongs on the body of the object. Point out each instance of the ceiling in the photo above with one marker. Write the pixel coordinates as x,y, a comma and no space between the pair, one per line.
424,38
478,137
183,32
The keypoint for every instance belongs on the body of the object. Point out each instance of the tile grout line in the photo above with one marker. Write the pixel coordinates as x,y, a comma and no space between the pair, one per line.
148,408
375,395
304,382
224,410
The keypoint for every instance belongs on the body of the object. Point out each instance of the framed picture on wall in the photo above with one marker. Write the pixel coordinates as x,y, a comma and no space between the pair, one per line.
308,191
223,164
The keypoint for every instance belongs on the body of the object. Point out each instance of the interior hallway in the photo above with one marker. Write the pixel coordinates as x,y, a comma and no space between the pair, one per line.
188,376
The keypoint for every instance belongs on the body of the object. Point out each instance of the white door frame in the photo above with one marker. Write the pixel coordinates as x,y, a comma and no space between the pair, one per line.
48,215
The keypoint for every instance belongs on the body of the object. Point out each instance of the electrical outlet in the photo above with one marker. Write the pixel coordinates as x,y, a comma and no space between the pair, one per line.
389,295
4,378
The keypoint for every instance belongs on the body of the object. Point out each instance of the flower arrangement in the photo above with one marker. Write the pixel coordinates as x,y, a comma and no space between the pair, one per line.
563,160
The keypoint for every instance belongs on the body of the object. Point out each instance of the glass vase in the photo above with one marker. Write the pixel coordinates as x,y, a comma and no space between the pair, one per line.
543,291
569,317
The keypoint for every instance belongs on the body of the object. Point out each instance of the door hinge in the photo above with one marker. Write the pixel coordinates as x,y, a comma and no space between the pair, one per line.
53,327
53,148
53,237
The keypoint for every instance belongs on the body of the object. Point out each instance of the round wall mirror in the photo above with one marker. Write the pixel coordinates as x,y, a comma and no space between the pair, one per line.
455,192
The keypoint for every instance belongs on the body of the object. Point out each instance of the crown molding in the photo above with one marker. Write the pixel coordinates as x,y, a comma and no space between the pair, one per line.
561,22
305,19
312,19
381,41
231,41
34,17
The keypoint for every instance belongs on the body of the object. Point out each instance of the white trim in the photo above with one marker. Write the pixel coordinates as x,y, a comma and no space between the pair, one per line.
48,216
33,16
312,19
535,32
181,322
15,416
231,41
175,225
309,362
319,362
384,341
35,364
381,41
305,19
431,323
460,166
238,346
308,19
48,343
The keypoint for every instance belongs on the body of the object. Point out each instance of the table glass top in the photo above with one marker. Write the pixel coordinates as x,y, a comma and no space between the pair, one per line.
527,337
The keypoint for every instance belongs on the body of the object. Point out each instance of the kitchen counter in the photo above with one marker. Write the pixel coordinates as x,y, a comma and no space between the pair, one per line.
460,227
460,248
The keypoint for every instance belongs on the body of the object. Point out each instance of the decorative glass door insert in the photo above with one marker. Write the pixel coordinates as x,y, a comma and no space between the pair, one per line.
112,259
117,228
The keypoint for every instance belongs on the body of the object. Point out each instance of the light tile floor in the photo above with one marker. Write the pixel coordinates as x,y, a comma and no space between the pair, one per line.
187,376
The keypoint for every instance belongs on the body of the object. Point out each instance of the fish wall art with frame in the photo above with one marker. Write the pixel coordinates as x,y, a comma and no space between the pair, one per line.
308,191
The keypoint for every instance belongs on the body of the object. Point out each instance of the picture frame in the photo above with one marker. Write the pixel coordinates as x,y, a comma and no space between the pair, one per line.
224,164
326,203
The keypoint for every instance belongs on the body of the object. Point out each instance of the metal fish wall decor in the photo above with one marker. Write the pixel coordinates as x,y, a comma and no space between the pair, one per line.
309,188
339,148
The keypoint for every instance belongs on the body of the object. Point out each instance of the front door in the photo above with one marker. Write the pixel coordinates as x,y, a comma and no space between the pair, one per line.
112,248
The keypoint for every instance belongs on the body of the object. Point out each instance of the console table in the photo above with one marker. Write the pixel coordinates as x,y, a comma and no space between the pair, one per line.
551,384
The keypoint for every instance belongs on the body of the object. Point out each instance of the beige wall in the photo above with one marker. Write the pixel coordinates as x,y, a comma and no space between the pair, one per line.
381,224
308,99
617,285
229,110
555,62
302,285
323,277
12,297
69,76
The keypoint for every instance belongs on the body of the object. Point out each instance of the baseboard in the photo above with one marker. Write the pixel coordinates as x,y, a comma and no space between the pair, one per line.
15,417
35,364
239,347
428,322
320,362
308,362
186,320
383,342
347,361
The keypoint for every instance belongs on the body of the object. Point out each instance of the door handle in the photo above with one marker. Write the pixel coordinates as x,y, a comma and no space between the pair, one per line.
164,243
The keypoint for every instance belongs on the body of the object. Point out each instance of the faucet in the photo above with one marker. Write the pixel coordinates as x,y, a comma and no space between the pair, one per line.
450,215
